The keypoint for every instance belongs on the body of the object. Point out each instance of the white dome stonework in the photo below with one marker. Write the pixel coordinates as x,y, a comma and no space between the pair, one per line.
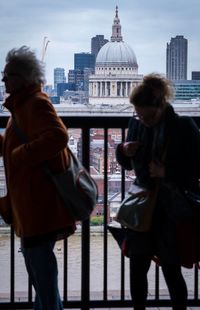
116,53
116,70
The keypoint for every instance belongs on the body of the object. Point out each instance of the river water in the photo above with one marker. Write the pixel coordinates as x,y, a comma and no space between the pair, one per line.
74,268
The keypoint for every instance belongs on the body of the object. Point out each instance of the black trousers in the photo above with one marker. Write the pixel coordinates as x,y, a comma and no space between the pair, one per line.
139,267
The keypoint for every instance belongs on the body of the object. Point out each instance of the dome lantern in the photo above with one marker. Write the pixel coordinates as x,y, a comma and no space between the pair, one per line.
116,28
116,53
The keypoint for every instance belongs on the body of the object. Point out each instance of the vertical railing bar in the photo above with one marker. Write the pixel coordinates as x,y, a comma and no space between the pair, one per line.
29,290
85,241
157,284
123,171
65,269
12,265
105,239
196,283
122,197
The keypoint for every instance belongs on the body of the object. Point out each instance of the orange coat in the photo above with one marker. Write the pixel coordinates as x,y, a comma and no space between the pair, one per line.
35,205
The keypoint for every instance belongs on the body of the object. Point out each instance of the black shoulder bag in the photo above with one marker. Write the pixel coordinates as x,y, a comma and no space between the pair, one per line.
75,186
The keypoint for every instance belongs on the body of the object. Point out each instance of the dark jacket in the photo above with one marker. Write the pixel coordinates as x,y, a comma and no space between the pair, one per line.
178,137
37,209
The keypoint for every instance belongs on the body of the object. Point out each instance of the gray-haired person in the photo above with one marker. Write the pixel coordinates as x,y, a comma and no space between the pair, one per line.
32,204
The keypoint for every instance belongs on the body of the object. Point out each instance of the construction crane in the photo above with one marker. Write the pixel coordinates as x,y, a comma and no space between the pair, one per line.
44,47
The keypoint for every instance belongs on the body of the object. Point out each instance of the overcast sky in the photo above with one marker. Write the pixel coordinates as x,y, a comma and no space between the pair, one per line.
69,25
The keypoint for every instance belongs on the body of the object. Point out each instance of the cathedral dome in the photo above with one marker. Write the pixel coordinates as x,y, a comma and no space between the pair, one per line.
116,70
116,54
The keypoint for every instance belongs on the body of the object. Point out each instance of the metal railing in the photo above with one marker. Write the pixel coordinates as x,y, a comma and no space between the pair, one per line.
85,302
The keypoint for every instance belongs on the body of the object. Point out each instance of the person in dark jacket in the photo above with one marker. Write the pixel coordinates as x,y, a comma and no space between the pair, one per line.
32,204
163,148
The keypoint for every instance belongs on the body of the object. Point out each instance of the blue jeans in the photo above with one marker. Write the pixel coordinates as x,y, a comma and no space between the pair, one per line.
42,268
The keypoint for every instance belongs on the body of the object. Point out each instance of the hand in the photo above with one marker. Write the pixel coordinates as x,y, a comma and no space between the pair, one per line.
156,170
130,148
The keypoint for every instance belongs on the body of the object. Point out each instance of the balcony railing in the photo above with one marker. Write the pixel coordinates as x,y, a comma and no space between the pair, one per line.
86,300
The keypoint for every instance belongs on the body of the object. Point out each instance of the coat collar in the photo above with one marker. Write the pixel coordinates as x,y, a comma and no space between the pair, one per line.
14,100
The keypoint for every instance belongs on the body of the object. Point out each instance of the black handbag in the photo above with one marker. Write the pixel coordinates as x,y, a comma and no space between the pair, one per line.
136,210
75,186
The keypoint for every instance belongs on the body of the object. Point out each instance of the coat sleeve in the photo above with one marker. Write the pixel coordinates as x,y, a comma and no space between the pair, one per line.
123,160
47,136
183,164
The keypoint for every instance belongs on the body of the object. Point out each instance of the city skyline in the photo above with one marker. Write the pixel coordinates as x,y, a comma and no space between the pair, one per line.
69,26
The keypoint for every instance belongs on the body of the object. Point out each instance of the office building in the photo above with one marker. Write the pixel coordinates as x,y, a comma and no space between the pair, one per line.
62,87
195,75
59,77
80,78
176,58
187,90
84,60
86,74
55,99
48,88
76,77
96,44
84,64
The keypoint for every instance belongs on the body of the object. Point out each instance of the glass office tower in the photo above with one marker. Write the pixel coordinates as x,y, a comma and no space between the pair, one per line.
177,54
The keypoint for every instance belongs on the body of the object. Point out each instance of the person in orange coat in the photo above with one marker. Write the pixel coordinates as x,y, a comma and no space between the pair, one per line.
32,204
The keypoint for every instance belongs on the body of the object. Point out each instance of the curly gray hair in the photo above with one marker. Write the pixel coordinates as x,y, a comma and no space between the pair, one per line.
27,64
155,90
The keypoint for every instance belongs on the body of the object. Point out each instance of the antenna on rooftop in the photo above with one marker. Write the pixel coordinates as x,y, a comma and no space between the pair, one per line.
44,47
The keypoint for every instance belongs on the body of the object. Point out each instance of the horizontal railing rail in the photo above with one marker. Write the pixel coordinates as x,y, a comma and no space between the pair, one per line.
85,124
